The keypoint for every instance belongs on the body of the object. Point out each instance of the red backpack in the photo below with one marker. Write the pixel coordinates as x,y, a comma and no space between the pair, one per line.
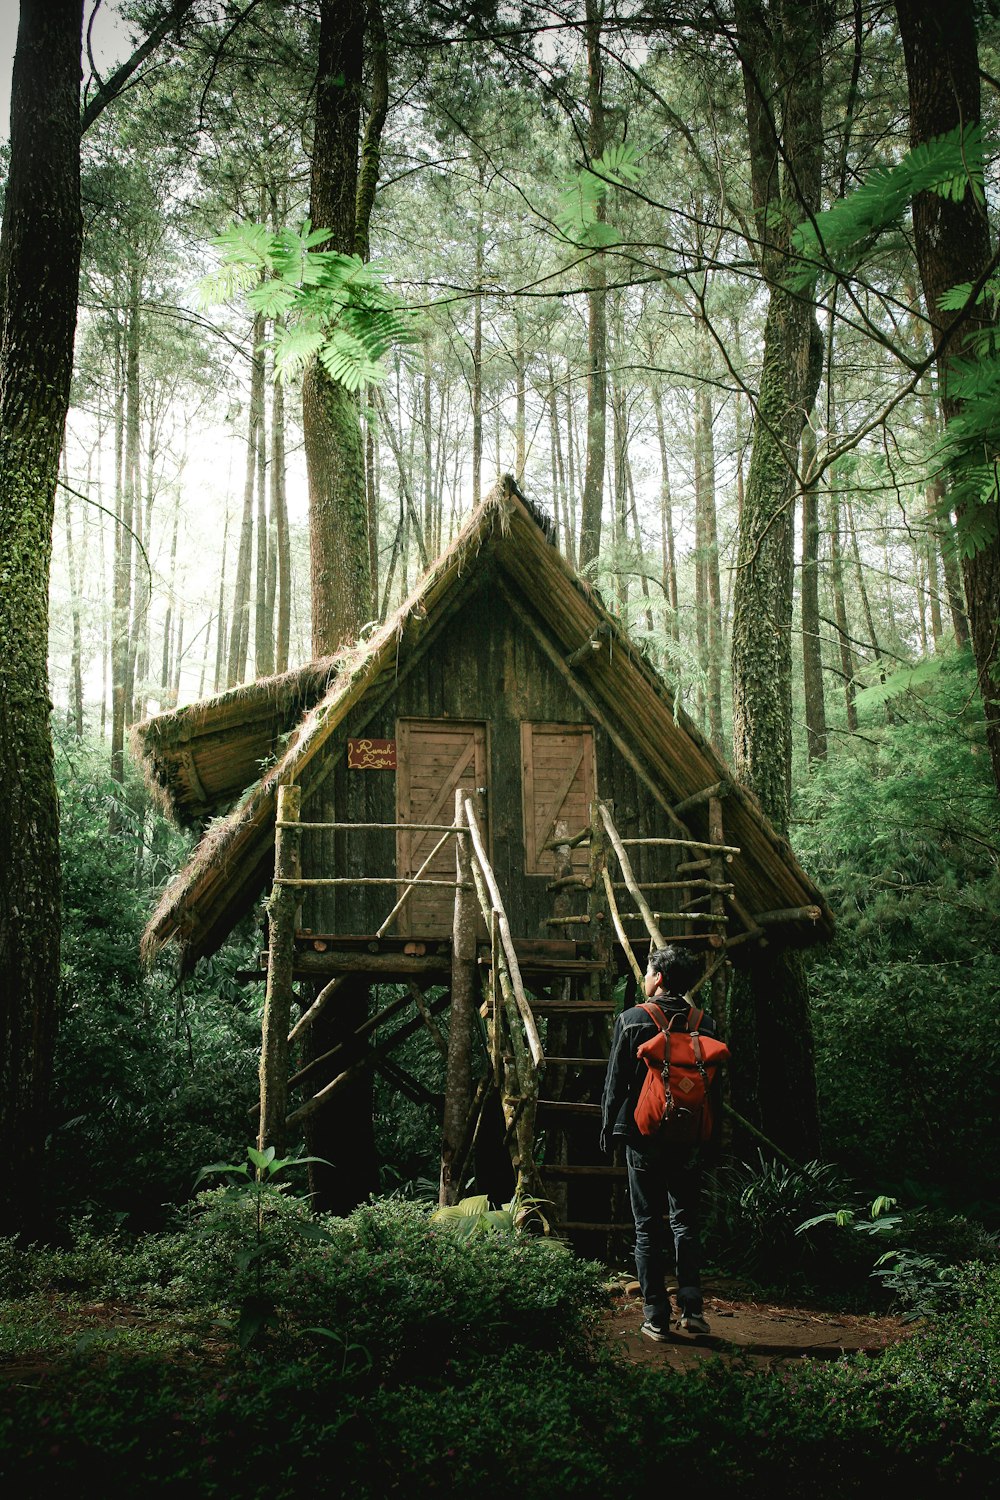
681,1065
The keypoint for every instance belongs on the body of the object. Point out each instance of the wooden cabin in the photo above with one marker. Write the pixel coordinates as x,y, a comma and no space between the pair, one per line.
602,818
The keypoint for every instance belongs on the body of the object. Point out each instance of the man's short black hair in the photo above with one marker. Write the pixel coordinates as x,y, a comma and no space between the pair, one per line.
679,969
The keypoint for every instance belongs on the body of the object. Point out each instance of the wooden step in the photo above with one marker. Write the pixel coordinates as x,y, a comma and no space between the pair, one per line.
576,1062
578,1226
561,1171
569,1106
554,967
568,1007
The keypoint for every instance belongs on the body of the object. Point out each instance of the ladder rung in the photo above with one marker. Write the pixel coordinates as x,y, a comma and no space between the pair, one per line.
569,1106
576,1062
572,1225
570,1006
560,1171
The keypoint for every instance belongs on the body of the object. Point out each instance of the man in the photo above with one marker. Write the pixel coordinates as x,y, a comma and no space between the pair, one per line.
664,1176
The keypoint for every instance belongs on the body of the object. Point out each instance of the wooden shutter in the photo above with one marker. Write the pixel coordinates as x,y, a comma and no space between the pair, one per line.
557,774
433,758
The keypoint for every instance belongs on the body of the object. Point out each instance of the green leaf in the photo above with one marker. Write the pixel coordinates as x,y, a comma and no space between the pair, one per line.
261,1159
236,1168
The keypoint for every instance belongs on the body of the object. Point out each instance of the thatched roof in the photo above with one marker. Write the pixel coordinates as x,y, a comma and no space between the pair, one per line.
232,864
199,759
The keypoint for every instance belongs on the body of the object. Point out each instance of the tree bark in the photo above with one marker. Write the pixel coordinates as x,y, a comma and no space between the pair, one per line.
840,610
263,624
121,633
667,526
707,549
597,333
952,240
812,650
75,716
780,53
40,243
282,541
239,621
340,574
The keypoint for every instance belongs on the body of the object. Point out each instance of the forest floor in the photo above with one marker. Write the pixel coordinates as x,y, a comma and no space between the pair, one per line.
744,1328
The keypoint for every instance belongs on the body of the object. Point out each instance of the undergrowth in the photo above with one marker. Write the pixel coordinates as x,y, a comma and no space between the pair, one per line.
449,1366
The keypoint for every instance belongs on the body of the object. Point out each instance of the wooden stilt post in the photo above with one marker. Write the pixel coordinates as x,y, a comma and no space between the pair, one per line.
280,959
458,1076
720,978
597,902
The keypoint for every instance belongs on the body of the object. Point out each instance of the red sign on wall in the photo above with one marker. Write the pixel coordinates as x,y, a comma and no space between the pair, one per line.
371,755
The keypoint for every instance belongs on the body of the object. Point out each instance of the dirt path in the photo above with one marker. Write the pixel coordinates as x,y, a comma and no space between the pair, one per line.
764,1331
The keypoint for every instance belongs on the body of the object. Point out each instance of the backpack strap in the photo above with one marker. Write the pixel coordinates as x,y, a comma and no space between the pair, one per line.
655,1014
692,1020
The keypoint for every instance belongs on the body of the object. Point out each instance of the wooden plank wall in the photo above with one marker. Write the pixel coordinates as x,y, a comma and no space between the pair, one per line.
484,666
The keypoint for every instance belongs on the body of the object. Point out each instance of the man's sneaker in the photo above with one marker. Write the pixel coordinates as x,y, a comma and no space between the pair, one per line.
694,1323
653,1331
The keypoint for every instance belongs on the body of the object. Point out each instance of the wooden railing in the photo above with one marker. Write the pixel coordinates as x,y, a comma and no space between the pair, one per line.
517,1074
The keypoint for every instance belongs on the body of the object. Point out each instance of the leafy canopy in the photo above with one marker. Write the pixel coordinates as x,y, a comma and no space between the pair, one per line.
331,306
841,239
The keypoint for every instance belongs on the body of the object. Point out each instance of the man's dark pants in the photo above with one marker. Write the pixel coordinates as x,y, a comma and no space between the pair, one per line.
665,1179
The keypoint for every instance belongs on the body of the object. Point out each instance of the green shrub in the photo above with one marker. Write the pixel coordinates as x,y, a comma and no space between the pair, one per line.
756,1211
899,830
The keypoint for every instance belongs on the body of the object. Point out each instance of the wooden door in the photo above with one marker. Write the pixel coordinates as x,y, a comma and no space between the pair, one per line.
557,766
434,757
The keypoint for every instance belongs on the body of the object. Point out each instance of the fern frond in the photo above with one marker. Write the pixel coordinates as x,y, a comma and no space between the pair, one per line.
335,307
295,348
950,165
903,680
576,215
345,359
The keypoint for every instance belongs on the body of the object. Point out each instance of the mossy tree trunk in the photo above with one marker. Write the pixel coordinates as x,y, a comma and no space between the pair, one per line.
812,649
774,1081
39,266
953,246
597,312
340,571
341,196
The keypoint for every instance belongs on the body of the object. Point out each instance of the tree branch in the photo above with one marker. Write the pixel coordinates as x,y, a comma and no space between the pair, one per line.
110,90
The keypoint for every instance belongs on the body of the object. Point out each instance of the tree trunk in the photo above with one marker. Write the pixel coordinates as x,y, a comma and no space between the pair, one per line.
263,625
812,648
39,265
166,664
620,497
780,53
672,620
220,636
477,342
126,465
840,610
710,602
75,715
340,575
282,543
597,334
571,471
239,623
952,240
341,200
